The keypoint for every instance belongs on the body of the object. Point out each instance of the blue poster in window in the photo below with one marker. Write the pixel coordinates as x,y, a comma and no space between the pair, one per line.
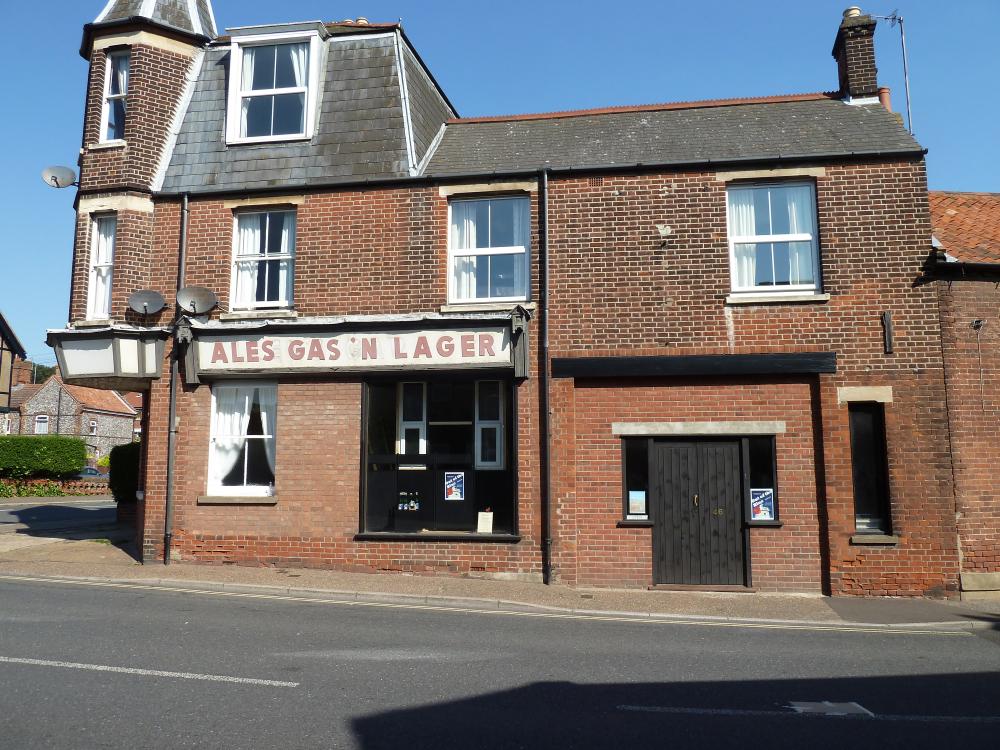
454,485
762,505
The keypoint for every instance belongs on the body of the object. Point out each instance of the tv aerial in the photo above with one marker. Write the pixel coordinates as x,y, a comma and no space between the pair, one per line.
196,300
146,302
59,177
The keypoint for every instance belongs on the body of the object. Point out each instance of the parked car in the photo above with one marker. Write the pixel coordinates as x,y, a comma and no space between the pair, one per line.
92,474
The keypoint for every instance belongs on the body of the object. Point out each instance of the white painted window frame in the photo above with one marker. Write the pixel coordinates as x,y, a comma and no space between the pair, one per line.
494,424
253,490
108,96
236,93
403,425
92,312
92,427
454,253
43,419
289,293
750,291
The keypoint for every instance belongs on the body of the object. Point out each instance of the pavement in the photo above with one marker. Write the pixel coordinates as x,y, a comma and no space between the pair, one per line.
105,553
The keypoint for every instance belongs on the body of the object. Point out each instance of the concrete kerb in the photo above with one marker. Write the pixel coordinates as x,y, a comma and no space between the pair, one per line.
446,603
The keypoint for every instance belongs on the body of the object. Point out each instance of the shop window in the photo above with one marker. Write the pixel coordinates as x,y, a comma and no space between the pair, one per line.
870,466
263,260
762,471
772,238
242,458
437,457
488,249
115,94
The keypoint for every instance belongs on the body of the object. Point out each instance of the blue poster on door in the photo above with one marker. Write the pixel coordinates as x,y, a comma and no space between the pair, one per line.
454,485
762,505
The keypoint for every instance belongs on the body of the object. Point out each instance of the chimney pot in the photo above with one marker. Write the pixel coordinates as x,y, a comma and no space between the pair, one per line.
362,21
853,12
884,98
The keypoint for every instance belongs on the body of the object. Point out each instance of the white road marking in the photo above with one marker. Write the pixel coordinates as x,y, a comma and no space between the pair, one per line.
830,709
683,710
147,672
653,620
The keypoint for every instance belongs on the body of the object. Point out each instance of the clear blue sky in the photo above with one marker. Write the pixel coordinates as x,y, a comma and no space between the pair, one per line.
517,56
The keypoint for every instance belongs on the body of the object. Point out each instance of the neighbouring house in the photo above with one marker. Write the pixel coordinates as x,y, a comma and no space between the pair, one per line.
672,345
11,351
101,417
967,265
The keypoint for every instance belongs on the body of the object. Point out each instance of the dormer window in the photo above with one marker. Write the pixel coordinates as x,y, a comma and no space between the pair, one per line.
273,87
115,93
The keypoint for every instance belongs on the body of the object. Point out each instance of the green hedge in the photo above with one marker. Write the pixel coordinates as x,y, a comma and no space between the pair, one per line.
124,477
23,456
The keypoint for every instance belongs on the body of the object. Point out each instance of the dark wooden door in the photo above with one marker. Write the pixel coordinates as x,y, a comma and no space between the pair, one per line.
697,513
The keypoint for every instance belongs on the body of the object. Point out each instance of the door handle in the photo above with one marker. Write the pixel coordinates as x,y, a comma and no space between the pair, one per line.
696,499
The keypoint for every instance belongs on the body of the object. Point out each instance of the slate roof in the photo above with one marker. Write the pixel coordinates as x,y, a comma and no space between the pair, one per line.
810,125
194,17
967,225
360,132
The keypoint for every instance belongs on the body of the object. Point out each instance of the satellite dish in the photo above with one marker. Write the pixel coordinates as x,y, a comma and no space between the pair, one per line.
196,300
59,177
146,302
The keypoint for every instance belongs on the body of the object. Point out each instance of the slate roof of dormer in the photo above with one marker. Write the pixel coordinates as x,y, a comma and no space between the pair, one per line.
360,132
192,16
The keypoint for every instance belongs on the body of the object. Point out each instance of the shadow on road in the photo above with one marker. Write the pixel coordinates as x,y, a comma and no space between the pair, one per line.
80,520
910,711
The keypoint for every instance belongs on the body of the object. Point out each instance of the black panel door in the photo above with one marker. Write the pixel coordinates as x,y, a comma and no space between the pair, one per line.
698,518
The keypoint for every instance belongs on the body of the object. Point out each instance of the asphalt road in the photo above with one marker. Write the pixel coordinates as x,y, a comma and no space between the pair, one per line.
104,667
53,512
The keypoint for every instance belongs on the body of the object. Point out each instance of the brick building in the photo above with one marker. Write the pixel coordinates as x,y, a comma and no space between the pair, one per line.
102,418
11,351
676,344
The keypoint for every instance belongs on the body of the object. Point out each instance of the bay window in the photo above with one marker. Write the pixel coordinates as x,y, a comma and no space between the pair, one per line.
488,249
772,238
102,257
115,93
263,262
437,456
272,88
243,449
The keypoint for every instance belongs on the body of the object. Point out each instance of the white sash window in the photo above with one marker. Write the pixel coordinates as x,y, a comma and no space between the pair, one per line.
102,257
243,449
772,238
115,93
489,249
263,260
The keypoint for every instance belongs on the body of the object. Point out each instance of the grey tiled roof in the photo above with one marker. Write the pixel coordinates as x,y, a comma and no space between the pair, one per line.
173,13
360,131
428,109
766,131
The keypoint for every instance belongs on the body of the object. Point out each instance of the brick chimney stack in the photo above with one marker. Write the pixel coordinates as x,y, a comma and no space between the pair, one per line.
854,51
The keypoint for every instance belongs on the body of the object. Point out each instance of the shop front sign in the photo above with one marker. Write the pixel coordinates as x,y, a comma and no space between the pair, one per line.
352,351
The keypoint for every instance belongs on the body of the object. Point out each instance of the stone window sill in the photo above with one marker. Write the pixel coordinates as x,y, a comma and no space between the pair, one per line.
775,299
94,323
104,146
258,314
486,307
875,539
238,500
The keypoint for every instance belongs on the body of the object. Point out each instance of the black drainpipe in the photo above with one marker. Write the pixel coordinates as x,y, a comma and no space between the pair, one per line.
543,372
168,506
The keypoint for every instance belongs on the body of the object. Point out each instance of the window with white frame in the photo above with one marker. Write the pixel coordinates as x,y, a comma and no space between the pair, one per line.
41,424
489,424
489,243
102,257
273,88
115,93
263,260
772,238
243,449
4,424
92,427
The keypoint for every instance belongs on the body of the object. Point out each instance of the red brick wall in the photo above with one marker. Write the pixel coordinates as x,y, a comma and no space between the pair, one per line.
974,415
618,289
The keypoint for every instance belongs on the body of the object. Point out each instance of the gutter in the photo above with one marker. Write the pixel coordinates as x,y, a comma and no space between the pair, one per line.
448,177
543,369
168,505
